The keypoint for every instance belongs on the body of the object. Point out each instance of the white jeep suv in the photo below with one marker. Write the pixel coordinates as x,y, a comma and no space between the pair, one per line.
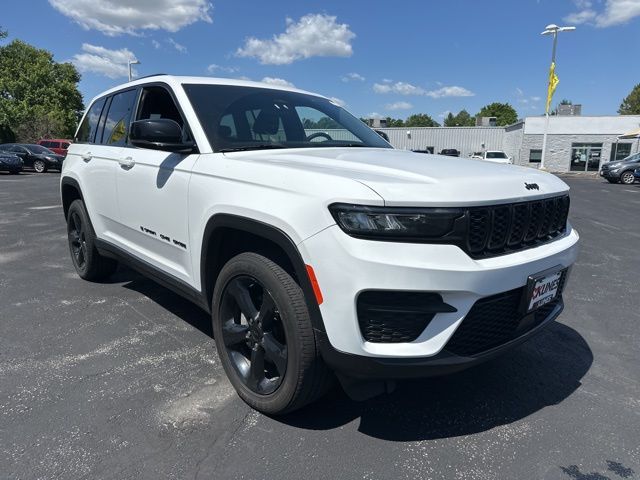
317,248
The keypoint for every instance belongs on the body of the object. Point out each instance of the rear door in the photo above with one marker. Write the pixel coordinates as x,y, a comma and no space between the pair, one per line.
99,144
152,192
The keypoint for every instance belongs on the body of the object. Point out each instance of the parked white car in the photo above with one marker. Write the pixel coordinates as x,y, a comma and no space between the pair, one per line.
315,253
495,156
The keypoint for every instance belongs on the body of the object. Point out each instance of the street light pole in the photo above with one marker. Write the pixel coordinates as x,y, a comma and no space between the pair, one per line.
550,30
132,62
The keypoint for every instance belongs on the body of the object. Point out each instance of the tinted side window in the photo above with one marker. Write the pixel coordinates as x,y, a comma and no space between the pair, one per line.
65,145
87,130
53,145
45,143
116,127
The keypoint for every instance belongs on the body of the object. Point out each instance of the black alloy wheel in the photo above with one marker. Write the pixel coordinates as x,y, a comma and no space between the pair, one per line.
253,334
77,240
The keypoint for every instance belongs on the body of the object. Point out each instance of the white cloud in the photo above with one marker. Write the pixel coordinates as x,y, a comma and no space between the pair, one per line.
213,68
314,35
615,12
100,60
156,44
353,76
338,101
398,106
177,46
523,99
116,17
453,91
404,88
281,82
374,115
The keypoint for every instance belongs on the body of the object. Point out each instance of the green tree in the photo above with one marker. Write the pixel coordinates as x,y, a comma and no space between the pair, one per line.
38,96
462,119
504,112
3,33
395,122
420,120
631,104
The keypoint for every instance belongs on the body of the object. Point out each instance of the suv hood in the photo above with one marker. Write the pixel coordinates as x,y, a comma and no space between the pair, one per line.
402,177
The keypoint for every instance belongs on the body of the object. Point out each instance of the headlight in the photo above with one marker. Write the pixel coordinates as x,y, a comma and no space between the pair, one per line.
400,222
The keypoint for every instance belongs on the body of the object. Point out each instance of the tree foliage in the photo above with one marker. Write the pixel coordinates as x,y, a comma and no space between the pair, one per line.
631,104
395,122
462,119
38,96
420,120
504,113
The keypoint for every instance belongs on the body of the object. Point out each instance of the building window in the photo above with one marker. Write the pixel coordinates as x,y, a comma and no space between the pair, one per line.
623,150
585,157
535,156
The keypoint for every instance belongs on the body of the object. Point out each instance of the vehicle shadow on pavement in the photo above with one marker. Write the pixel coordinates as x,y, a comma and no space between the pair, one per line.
180,307
543,372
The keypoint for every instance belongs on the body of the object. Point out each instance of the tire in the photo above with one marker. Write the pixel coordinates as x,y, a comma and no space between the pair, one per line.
39,166
291,373
627,177
89,264
612,180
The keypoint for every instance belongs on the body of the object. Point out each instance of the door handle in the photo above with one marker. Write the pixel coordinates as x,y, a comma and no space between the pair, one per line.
127,162
87,156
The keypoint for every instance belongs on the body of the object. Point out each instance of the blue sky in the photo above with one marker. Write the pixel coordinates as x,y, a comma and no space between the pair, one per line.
389,58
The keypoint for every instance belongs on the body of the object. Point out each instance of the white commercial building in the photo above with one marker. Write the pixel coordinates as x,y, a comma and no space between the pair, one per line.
574,143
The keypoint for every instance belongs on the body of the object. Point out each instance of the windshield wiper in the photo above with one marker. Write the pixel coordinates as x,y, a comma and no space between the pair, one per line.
261,146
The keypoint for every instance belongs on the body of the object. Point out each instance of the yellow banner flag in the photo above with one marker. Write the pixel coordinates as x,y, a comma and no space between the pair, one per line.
553,83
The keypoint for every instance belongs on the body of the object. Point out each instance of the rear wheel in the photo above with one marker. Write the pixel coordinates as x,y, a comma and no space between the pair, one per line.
89,264
264,336
627,177
39,166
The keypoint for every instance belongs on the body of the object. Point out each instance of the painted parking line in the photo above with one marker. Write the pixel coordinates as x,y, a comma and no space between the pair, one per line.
46,207
627,190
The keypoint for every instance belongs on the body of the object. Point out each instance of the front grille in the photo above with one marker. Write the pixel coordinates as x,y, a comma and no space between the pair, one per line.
396,317
495,320
508,228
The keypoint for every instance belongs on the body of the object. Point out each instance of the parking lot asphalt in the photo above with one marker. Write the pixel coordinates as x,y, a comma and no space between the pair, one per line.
121,379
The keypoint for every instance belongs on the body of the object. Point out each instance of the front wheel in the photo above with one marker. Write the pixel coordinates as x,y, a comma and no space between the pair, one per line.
627,178
264,336
39,166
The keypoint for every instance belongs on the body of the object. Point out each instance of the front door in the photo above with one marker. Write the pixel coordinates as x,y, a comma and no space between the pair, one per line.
585,157
152,193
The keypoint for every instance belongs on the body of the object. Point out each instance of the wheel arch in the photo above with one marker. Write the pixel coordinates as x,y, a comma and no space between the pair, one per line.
69,191
227,235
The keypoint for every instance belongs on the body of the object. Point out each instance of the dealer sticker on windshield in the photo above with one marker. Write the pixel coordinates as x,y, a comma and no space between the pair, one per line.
543,289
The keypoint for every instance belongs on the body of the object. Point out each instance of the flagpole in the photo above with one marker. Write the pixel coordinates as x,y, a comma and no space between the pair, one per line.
550,29
546,120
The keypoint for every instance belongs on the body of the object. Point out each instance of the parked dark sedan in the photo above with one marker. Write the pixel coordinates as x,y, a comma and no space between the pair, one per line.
10,163
450,152
37,157
621,170
636,173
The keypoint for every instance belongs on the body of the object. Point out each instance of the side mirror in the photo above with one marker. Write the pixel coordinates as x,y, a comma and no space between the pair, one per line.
159,134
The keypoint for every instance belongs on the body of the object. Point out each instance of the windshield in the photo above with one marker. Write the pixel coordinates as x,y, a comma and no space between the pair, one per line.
243,118
496,155
38,149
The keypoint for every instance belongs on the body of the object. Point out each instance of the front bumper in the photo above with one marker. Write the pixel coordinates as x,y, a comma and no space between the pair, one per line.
346,266
359,367
609,174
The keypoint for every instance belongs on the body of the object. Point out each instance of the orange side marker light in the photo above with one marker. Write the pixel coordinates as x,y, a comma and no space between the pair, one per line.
314,284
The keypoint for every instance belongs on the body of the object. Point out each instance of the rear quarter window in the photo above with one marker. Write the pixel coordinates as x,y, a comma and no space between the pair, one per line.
87,130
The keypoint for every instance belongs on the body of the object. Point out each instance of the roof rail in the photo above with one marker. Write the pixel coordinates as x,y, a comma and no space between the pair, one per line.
147,76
